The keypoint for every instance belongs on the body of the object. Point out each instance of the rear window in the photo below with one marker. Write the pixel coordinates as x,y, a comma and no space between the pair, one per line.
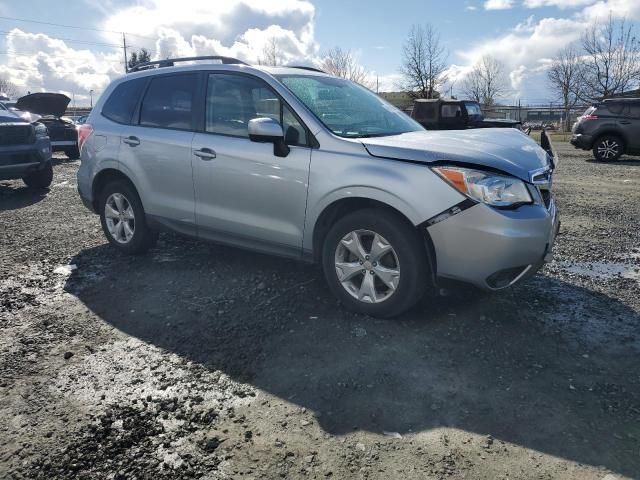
122,102
168,102
616,108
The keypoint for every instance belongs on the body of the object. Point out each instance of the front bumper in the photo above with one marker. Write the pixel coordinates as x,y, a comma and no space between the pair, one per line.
492,248
17,161
580,140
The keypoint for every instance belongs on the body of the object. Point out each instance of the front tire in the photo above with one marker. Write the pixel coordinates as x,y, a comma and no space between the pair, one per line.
375,263
123,219
40,179
608,148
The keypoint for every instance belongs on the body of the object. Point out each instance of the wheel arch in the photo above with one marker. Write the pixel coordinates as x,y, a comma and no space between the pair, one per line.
337,209
613,133
105,176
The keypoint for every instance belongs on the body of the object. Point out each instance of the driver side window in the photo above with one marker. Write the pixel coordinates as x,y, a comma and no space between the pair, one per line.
233,100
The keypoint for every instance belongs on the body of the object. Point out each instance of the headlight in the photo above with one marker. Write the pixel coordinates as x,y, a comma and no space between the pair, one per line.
490,188
41,130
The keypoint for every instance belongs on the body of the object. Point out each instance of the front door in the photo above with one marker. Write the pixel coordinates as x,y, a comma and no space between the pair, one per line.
245,194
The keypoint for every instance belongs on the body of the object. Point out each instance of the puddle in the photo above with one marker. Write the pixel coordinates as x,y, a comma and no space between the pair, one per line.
606,270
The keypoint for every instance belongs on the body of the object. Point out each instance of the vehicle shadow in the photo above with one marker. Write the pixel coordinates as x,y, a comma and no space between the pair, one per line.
511,365
14,196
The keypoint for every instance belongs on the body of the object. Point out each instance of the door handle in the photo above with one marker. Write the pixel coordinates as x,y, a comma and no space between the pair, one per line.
625,122
205,154
131,141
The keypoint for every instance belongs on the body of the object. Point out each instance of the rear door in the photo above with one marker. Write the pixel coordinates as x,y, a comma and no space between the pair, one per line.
156,150
245,194
632,128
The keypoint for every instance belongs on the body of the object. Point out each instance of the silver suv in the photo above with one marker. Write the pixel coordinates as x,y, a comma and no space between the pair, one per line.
294,162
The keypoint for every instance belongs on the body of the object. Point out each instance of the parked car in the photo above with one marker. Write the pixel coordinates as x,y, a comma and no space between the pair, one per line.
299,163
451,114
25,150
81,119
609,128
51,107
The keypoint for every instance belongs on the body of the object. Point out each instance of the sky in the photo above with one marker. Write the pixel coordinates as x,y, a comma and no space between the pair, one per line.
86,53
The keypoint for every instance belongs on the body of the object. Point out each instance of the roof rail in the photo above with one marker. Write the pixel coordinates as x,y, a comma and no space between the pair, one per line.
169,62
311,69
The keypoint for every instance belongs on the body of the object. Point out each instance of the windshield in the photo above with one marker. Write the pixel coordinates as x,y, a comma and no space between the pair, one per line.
473,109
346,108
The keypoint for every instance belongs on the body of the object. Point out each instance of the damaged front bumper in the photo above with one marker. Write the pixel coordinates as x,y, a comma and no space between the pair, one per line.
495,248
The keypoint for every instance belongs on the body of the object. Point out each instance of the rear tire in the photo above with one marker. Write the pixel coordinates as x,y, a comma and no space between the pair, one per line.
608,148
72,153
123,219
41,178
396,278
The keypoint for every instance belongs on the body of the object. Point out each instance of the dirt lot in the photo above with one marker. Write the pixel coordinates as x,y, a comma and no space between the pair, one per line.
201,361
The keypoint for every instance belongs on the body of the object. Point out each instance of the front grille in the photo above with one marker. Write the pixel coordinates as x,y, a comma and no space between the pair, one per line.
16,134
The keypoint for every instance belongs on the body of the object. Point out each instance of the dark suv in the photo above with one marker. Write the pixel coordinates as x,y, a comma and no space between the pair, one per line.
25,150
610,129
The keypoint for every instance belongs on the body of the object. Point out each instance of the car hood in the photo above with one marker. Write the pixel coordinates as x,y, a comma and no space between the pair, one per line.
9,117
508,150
44,103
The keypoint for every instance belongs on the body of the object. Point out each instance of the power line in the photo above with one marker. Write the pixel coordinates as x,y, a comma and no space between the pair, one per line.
24,54
73,40
26,20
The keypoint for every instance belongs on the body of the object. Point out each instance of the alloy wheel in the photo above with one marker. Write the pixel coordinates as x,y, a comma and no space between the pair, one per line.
119,217
367,266
608,149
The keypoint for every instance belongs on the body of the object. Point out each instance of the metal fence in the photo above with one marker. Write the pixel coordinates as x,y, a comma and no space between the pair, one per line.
552,114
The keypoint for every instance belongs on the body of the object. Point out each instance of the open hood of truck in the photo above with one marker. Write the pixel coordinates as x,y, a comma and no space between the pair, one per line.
504,149
44,103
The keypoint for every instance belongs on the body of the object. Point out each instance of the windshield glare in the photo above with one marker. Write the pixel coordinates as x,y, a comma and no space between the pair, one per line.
348,109
473,109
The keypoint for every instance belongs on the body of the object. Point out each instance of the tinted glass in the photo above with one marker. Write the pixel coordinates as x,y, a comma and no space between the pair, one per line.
234,100
346,108
451,111
122,102
634,110
617,108
168,102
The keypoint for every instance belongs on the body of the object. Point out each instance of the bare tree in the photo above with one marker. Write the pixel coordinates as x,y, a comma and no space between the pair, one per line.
424,61
8,88
612,59
486,82
271,54
565,79
343,64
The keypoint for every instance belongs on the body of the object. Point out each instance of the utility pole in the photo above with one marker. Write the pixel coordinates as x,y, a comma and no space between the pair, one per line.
91,98
377,84
124,46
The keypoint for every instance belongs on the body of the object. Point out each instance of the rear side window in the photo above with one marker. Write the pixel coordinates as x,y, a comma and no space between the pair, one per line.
617,108
168,102
122,102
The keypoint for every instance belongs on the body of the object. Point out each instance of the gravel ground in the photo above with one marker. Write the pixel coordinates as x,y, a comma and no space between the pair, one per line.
201,361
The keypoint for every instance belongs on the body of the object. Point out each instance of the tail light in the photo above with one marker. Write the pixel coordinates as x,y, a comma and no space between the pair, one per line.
586,118
84,131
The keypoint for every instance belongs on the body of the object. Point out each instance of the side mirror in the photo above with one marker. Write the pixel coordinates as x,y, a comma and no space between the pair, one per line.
267,130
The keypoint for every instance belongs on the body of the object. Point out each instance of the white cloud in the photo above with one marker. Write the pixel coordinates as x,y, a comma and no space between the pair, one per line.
498,4
563,4
237,28
38,62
